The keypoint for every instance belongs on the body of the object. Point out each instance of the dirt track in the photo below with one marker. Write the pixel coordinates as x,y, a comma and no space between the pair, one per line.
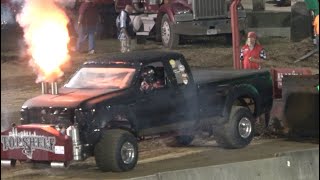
158,158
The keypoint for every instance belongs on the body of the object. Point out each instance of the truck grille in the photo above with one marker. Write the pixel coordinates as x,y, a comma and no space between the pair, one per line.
51,116
204,9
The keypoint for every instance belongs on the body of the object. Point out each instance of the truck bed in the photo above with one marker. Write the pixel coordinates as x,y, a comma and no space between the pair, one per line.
207,76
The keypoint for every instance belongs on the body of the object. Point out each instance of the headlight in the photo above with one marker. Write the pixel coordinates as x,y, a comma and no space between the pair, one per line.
184,11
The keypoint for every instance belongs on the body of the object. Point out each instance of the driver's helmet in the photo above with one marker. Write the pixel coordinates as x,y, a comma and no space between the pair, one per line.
148,74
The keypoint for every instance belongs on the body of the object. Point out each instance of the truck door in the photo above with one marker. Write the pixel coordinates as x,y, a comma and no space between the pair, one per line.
185,97
154,106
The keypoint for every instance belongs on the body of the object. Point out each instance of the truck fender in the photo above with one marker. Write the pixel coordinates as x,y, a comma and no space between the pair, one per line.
104,118
116,117
244,90
166,9
171,9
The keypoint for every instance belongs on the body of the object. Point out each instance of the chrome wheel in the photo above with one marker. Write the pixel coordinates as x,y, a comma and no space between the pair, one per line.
245,127
127,153
165,33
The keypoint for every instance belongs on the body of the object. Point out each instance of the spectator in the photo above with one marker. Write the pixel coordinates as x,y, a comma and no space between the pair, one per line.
87,25
252,54
316,29
125,29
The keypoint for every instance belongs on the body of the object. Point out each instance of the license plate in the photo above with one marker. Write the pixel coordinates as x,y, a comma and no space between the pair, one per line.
212,31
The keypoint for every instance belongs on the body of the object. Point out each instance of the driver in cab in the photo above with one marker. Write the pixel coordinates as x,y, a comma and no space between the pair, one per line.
149,81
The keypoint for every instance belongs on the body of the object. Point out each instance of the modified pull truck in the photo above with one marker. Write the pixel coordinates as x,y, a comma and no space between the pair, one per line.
112,102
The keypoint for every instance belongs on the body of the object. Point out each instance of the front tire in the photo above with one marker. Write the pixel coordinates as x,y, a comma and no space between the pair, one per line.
169,38
116,151
238,132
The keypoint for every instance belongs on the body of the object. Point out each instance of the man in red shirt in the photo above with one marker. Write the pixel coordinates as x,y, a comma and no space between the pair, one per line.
252,55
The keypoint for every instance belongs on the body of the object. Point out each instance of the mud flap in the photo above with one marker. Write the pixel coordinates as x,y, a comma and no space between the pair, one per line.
301,105
35,143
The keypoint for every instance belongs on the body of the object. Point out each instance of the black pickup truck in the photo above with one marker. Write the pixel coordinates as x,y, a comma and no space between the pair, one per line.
112,102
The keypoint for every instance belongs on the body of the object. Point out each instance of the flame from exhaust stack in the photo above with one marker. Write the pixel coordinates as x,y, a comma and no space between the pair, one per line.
46,34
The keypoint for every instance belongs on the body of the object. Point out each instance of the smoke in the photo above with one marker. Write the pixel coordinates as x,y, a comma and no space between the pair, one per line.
7,16
66,3
9,11
17,1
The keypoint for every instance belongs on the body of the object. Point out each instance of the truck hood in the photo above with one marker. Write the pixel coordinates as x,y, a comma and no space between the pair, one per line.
66,98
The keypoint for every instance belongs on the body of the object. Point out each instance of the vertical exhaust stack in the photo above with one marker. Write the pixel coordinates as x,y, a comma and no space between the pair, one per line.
54,88
45,88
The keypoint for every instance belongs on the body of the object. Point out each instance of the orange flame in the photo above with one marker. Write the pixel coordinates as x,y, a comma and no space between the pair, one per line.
46,34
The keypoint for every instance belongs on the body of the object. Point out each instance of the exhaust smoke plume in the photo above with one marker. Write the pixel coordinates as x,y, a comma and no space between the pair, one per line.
44,23
9,10
7,16
66,3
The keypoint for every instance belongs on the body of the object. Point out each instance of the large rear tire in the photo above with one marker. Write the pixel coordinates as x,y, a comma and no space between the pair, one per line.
116,151
169,38
238,132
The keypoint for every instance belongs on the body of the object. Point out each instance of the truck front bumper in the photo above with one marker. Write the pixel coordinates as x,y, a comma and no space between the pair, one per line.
35,143
206,27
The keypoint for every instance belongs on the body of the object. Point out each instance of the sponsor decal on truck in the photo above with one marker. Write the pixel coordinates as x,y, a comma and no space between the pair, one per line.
27,141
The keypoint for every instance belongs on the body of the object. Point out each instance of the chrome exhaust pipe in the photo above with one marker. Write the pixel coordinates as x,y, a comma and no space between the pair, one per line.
44,88
58,164
54,88
8,163
73,132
